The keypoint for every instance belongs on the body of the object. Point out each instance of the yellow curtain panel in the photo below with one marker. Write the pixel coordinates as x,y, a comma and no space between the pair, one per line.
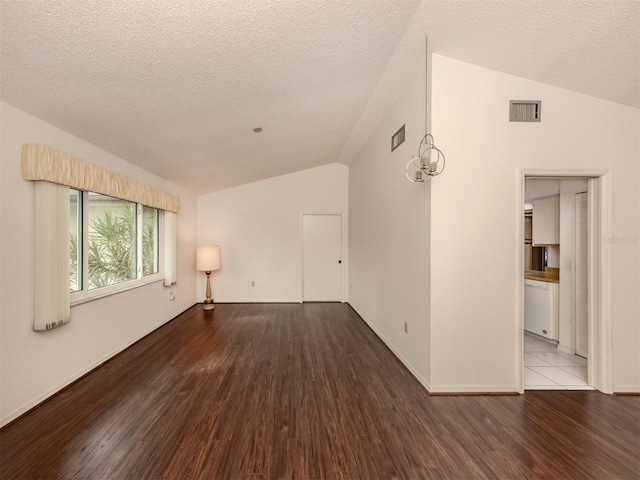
40,162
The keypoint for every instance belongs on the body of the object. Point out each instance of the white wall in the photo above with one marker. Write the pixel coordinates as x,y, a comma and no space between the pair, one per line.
389,234
476,202
37,364
257,226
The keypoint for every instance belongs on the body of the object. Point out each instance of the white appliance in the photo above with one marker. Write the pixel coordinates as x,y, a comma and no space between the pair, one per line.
541,308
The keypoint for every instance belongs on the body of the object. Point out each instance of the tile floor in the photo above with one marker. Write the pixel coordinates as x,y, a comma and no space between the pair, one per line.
547,369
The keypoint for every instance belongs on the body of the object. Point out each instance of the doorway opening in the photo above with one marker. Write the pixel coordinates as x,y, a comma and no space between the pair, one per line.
564,331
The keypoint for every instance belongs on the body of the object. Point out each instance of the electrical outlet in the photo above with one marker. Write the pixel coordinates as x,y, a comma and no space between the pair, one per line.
172,297
253,283
406,327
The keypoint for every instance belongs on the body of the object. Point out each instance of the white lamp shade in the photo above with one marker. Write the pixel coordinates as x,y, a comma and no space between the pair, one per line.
208,257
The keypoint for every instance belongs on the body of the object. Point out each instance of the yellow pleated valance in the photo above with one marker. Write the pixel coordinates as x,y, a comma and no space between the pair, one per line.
40,162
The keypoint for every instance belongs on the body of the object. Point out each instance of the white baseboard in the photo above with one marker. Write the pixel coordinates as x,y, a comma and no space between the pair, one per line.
72,378
256,300
566,349
453,389
626,389
403,360
440,388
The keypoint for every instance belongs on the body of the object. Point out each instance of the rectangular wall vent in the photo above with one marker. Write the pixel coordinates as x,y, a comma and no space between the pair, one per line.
397,138
524,110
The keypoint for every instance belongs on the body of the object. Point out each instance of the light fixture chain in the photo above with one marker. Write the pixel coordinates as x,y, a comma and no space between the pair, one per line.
429,162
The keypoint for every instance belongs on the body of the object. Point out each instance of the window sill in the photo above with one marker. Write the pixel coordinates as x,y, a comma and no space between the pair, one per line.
78,298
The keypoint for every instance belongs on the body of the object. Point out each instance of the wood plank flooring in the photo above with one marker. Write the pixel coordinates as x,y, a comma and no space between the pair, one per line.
304,391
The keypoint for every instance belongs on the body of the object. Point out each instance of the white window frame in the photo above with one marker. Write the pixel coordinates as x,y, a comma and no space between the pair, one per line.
85,295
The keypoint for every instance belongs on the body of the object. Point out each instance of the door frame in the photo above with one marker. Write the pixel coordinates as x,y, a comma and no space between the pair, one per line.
589,194
600,371
343,247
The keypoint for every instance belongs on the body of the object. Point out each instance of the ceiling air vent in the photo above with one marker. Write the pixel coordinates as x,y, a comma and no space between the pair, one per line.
524,110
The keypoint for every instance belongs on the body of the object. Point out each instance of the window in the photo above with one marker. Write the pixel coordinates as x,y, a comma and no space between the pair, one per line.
114,245
149,240
111,240
75,240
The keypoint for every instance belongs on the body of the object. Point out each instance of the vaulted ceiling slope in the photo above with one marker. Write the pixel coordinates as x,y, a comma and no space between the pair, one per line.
177,87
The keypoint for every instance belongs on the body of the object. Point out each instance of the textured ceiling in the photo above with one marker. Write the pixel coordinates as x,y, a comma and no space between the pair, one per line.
177,87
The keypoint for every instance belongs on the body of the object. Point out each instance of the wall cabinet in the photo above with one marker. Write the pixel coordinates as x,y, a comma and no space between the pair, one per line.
546,220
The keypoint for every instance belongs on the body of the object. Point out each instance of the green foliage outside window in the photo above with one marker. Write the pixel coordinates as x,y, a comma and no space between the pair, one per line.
73,278
112,248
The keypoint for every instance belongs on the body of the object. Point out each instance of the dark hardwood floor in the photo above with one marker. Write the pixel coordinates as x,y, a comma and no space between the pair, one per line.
304,391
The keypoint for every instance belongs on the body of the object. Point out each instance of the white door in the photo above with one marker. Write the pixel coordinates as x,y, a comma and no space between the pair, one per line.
322,258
